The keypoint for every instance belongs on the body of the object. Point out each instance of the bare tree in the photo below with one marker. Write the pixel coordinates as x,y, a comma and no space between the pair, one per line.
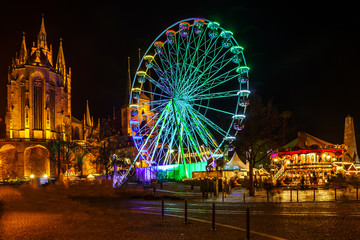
60,153
107,149
265,130
79,154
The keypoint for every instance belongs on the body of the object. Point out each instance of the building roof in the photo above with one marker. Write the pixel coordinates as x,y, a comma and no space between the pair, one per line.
306,143
75,120
237,163
304,140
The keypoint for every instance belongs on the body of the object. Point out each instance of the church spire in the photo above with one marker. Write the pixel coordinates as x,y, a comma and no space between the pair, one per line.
41,40
23,51
60,61
129,81
88,121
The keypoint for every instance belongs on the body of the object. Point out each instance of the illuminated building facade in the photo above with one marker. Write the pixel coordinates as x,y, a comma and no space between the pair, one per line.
305,157
39,92
39,109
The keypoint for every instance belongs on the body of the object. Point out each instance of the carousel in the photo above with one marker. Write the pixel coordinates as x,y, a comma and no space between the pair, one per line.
308,158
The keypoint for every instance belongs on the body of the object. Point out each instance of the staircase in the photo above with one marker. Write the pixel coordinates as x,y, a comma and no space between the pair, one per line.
279,174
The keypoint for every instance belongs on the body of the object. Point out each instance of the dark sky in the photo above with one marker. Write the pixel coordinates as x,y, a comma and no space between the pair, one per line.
303,56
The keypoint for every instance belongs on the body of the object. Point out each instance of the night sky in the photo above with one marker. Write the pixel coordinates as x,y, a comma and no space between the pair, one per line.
303,56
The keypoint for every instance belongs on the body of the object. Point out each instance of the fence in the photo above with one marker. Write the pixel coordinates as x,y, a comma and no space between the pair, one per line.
184,214
290,195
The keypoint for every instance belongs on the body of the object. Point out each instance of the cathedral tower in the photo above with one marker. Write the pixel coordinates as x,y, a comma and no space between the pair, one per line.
38,92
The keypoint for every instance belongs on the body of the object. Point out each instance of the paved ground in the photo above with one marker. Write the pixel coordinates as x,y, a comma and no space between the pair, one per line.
99,212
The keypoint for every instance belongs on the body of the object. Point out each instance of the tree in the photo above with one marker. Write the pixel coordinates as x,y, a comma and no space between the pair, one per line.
79,153
121,158
60,153
107,149
265,130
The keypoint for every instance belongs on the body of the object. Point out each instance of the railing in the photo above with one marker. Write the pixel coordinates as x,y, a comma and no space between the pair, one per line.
309,165
23,140
278,174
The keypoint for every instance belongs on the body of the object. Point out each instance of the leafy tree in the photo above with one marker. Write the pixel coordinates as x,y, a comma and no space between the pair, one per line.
265,129
79,154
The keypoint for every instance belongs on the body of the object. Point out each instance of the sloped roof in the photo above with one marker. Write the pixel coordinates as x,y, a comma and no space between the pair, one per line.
304,140
75,120
236,162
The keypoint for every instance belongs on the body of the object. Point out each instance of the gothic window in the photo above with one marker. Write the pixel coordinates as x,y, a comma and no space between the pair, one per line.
76,134
38,103
23,103
52,107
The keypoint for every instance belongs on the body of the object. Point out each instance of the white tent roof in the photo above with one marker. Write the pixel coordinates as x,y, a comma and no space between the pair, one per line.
236,163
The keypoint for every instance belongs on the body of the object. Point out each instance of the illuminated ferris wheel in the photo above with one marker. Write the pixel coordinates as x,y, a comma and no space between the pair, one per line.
189,94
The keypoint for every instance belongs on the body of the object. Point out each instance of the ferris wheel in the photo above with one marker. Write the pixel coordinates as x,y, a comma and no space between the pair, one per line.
189,95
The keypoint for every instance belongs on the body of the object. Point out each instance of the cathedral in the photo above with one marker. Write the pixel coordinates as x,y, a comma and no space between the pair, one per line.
39,95
39,109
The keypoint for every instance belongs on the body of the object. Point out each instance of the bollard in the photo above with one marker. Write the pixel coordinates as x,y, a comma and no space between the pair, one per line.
186,221
297,195
247,223
244,197
213,217
314,195
162,208
154,190
223,195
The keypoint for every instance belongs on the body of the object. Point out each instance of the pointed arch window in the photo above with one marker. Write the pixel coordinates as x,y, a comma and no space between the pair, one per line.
23,103
38,103
52,106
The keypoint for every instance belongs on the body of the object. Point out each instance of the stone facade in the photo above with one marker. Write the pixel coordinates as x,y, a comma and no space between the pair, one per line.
39,111
39,93
351,154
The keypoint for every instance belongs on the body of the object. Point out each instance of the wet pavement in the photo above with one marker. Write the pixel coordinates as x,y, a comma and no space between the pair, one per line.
240,195
98,212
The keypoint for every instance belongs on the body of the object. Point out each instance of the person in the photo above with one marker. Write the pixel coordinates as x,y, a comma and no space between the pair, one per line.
315,181
236,182
302,181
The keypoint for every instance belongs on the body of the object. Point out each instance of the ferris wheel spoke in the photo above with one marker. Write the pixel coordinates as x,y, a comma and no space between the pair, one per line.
203,61
193,50
226,94
160,132
214,81
163,80
154,102
143,128
141,148
199,79
209,123
165,66
214,109
158,84
154,93
209,87
208,137
184,54
187,130
155,110
201,131
170,147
